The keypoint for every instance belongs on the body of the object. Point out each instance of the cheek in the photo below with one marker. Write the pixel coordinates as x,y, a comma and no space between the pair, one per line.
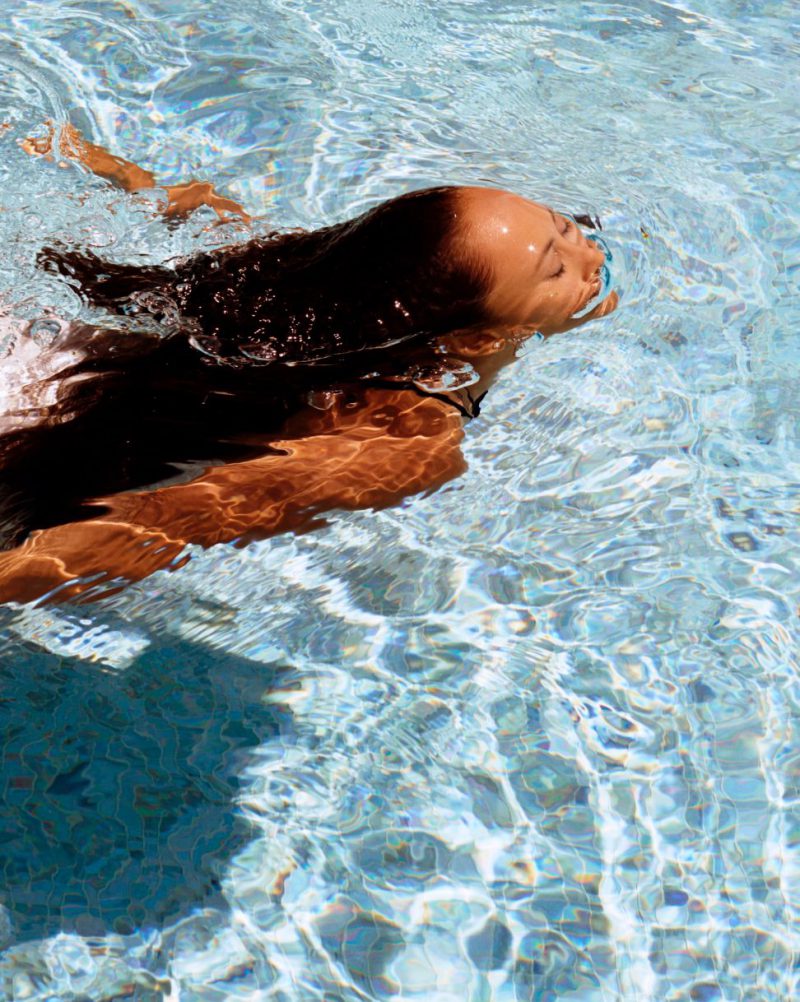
563,295
509,304
548,301
521,303
551,309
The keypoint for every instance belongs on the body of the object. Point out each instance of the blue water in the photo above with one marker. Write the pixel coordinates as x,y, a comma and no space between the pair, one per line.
531,737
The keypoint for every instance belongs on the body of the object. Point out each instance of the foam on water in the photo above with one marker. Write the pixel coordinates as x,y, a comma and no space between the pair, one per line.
533,736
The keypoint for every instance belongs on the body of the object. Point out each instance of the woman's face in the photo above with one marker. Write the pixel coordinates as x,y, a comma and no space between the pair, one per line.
543,268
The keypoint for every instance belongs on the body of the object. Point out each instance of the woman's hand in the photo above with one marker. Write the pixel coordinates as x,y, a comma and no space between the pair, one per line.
185,198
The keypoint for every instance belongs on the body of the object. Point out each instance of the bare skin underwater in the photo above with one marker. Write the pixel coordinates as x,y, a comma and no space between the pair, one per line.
342,437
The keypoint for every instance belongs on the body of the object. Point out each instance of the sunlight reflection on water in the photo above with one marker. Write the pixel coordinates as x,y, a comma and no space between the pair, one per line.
531,737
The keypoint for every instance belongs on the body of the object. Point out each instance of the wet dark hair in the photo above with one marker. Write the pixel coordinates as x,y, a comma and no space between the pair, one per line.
399,271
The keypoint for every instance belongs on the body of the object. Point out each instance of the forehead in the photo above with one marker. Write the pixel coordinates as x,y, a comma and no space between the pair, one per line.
509,234
500,219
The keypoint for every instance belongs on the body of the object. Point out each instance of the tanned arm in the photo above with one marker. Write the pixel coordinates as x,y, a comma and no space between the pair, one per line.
181,198
394,444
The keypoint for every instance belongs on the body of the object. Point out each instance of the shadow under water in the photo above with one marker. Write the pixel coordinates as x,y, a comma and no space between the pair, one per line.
119,811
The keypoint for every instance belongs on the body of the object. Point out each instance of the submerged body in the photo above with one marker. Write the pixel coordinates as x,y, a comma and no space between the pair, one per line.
284,377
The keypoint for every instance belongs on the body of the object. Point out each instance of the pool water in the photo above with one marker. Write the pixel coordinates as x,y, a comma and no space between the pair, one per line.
533,736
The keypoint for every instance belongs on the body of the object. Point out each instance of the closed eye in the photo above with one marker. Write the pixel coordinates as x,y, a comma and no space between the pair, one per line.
559,272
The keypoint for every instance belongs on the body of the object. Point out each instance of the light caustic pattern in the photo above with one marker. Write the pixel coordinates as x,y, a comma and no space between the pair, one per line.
530,737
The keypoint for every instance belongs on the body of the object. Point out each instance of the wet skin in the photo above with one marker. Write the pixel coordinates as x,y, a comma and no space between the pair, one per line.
340,445
543,269
345,447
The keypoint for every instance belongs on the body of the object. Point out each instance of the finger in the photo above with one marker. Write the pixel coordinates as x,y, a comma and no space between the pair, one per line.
227,206
71,142
36,146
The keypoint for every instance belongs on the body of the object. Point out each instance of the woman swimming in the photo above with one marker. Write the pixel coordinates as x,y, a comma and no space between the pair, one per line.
287,376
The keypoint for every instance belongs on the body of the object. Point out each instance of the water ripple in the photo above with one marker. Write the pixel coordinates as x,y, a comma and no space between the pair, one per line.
532,736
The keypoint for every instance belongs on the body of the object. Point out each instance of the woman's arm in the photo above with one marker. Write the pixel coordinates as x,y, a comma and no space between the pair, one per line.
394,444
181,198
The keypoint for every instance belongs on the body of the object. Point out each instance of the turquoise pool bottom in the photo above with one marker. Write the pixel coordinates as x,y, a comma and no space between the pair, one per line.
530,737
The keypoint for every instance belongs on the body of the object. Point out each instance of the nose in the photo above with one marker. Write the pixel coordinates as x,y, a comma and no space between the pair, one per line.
594,258
589,257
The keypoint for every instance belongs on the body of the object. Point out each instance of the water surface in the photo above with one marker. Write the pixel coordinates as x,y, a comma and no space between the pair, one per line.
532,736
